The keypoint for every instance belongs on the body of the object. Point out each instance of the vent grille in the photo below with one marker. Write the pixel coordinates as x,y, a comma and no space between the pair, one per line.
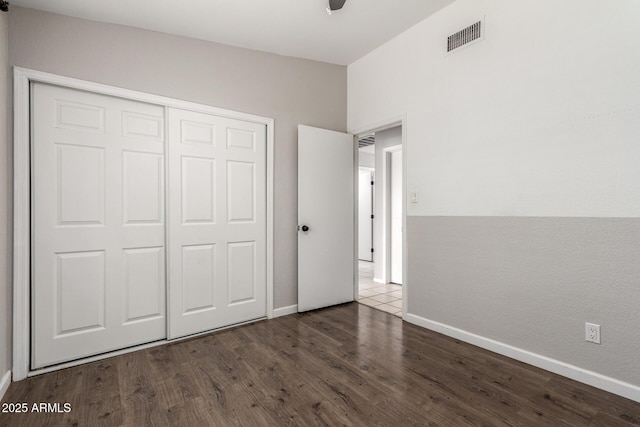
462,37
366,141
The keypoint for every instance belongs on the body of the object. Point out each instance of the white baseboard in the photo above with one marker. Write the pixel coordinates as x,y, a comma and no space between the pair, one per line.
4,383
591,378
284,311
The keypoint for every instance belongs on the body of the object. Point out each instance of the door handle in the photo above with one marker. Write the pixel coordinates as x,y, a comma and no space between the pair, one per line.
304,228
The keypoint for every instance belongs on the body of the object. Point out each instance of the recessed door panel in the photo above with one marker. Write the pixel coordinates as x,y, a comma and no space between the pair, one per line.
241,272
98,235
240,139
198,278
79,117
144,284
138,125
143,195
198,190
241,195
80,292
197,133
80,188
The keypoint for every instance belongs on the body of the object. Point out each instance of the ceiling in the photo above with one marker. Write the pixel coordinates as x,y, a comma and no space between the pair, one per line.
299,28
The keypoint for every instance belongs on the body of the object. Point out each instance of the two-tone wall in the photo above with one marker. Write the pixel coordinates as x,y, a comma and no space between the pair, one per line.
524,149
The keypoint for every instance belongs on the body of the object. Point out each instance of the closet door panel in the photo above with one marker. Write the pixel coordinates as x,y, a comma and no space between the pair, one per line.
98,224
217,222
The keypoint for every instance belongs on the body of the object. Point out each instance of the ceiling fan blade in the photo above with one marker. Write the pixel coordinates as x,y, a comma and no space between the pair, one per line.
336,4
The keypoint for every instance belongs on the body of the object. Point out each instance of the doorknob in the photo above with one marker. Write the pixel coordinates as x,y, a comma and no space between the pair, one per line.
305,228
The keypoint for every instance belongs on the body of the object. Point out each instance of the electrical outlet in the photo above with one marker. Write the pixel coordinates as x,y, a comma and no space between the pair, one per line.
592,333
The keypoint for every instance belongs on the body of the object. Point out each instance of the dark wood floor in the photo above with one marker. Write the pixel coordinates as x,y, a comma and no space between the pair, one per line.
346,365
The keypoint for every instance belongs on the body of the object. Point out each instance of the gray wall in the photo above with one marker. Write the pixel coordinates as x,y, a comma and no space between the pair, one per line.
5,193
292,91
532,283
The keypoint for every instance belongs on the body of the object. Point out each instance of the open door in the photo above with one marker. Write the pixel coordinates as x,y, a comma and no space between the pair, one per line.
325,218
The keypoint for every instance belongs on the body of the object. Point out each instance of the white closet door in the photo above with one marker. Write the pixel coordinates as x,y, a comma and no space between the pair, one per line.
98,224
217,209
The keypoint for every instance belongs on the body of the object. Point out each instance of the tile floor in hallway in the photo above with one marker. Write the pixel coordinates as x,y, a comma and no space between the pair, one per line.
382,297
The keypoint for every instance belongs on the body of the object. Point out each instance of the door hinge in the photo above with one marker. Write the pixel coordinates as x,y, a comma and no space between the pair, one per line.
371,250
371,182
371,216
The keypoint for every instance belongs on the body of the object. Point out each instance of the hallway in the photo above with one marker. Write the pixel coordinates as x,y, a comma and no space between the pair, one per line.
387,298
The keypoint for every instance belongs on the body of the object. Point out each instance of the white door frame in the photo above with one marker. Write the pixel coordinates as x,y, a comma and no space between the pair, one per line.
378,127
22,78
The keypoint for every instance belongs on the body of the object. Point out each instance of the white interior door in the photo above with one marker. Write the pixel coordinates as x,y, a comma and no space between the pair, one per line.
326,206
217,225
97,224
396,216
365,215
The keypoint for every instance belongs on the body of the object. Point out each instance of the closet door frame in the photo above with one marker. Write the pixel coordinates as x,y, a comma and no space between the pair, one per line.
22,78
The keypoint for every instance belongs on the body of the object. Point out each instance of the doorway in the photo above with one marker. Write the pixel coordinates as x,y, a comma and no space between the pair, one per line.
328,223
380,280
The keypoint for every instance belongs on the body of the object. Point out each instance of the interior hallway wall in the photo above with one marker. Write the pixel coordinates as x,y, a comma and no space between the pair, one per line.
264,84
523,148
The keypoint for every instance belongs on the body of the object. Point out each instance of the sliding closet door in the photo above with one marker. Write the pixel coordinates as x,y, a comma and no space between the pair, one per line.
97,224
217,225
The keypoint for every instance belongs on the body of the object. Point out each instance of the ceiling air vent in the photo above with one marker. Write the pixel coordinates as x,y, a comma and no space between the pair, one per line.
366,141
465,36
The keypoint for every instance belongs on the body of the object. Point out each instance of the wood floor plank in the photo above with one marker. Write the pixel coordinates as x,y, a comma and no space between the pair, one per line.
346,365
102,406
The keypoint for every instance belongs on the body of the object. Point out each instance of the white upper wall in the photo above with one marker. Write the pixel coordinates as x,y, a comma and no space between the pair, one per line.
541,118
